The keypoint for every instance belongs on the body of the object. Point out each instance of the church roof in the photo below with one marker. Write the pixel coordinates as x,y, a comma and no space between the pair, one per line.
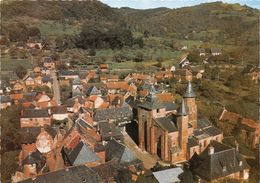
182,110
189,92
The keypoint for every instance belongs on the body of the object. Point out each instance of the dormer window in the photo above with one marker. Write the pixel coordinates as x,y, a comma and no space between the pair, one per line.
240,163
224,168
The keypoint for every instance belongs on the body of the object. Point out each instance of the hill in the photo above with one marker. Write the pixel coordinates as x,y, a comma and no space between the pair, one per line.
218,22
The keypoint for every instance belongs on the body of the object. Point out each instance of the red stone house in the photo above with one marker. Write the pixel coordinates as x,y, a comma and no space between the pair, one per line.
34,118
248,129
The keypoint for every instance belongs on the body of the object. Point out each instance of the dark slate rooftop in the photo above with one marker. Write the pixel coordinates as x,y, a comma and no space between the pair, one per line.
167,124
35,158
35,113
212,131
119,152
81,154
75,174
170,106
189,91
203,123
28,135
224,161
109,131
5,99
120,114
182,109
192,142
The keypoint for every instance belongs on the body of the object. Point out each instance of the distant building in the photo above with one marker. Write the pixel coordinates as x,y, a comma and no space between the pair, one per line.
215,51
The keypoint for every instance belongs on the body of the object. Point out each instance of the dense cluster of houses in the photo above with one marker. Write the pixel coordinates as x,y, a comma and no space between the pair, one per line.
82,140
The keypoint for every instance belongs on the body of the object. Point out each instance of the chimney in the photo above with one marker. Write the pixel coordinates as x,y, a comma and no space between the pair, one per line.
237,146
49,111
211,150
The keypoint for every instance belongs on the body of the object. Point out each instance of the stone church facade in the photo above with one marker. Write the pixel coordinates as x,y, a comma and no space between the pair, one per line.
173,136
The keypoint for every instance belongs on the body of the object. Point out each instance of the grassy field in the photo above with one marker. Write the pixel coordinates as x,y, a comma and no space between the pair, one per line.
10,64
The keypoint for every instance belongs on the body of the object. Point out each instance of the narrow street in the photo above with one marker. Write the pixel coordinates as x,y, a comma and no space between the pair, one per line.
55,87
147,159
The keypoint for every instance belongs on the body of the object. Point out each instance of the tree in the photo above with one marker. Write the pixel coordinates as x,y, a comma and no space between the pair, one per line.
20,71
139,42
18,32
34,32
139,66
92,52
10,124
8,165
139,57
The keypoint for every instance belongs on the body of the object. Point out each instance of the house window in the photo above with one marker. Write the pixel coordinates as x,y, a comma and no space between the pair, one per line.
158,110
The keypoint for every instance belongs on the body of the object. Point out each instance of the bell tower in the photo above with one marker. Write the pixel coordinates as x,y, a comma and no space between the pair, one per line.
182,122
189,98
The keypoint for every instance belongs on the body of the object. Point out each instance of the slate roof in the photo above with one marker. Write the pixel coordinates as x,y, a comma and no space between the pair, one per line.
167,124
169,175
68,73
119,152
106,171
182,111
224,161
46,79
120,114
81,154
189,91
109,131
5,99
83,124
170,106
212,131
35,113
192,142
203,122
35,158
75,174
28,135
93,91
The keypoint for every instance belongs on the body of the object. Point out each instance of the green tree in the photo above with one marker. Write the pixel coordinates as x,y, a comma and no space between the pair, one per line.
8,165
20,71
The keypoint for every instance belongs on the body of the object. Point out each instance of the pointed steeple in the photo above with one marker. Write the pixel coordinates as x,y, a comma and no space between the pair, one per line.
189,92
182,110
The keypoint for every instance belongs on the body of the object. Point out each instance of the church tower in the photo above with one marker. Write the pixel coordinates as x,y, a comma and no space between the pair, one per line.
182,122
189,98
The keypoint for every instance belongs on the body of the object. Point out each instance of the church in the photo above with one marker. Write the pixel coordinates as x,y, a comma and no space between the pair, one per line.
174,135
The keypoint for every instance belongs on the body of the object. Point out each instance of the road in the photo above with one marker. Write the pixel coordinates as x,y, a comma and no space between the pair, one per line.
56,87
